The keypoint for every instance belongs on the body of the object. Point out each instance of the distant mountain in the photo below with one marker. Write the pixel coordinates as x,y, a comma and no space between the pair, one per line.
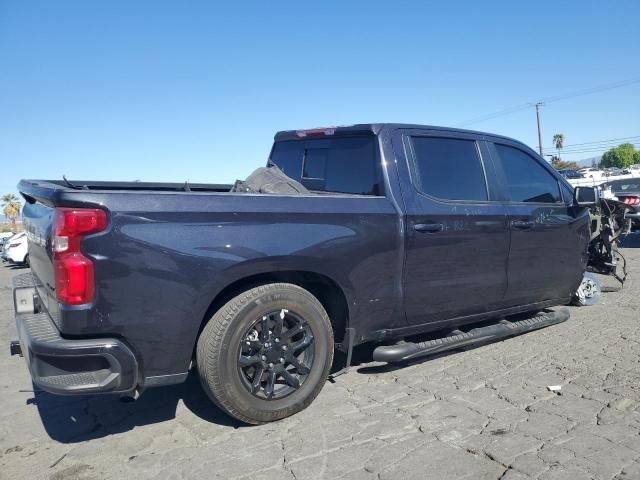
587,162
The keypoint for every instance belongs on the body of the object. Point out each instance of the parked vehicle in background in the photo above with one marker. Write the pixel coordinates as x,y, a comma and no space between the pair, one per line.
591,172
628,192
568,173
613,172
4,236
4,246
15,249
390,231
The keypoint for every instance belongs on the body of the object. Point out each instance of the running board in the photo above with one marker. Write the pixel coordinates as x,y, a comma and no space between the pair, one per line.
408,351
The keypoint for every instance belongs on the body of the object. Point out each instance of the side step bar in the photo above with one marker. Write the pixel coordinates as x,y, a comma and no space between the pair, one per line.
503,329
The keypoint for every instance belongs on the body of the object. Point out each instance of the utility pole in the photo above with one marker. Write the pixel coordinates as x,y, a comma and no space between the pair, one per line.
538,105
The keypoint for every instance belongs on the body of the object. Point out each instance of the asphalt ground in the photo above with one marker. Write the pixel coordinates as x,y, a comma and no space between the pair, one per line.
483,413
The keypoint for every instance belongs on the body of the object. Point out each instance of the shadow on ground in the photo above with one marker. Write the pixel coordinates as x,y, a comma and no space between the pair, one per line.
70,419
15,266
73,419
77,419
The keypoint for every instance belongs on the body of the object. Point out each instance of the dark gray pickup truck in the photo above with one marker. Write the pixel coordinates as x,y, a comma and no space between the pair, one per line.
400,230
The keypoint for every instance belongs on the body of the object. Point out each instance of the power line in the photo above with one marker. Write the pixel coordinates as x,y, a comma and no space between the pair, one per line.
592,150
591,90
600,143
500,113
557,98
599,149
612,140
604,141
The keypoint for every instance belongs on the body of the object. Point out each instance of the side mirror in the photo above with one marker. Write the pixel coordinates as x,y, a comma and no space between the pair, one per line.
585,196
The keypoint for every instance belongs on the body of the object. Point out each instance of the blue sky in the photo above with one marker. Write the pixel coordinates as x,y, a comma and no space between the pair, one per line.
193,90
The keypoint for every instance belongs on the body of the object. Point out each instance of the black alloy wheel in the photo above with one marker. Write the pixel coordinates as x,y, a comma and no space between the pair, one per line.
276,355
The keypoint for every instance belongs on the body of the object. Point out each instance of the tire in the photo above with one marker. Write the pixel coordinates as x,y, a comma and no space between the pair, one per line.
26,261
231,330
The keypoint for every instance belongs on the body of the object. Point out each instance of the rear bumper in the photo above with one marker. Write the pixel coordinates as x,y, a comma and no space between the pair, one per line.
69,366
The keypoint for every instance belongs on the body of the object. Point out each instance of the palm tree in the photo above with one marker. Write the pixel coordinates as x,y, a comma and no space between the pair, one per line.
558,142
11,207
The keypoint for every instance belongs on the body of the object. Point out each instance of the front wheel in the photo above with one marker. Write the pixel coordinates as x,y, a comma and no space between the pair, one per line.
588,292
266,354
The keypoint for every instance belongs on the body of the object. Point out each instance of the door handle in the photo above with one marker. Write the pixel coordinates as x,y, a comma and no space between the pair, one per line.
428,227
522,224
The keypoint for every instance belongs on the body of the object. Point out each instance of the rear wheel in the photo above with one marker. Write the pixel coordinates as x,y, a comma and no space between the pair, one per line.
266,354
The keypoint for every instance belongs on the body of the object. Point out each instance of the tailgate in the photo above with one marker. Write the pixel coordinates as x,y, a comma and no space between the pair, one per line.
38,220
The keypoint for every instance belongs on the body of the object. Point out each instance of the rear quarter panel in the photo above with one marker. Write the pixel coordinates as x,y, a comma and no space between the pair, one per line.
165,257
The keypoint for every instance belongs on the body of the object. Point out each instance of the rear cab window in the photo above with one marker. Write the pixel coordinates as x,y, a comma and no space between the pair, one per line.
349,165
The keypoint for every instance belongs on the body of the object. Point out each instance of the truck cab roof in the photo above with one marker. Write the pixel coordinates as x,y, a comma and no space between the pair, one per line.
372,129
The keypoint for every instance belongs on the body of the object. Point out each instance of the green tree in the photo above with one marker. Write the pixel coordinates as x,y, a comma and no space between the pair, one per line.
558,142
560,164
11,207
621,156
636,157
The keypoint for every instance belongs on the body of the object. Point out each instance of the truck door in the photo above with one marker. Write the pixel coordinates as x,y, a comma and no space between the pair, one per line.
548,236
457,240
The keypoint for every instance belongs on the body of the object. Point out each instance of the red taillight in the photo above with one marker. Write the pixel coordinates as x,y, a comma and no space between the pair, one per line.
74,279
631,200
73,271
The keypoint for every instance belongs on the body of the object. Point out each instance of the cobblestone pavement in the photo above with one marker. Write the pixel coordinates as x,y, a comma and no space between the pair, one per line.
484,413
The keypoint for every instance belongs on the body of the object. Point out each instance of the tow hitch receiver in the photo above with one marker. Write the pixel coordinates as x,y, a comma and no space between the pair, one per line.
409,350
15,348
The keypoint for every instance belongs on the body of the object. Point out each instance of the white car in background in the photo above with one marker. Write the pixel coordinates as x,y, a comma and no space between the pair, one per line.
4,236
16,250
591,172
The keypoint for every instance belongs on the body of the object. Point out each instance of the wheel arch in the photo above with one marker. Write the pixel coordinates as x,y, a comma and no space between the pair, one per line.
326,290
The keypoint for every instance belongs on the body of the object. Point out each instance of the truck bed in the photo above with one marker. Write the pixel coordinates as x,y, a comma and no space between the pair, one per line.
169,251
132,186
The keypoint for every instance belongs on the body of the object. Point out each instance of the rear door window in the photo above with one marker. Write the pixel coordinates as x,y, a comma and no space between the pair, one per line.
448,168
338,165
526,179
